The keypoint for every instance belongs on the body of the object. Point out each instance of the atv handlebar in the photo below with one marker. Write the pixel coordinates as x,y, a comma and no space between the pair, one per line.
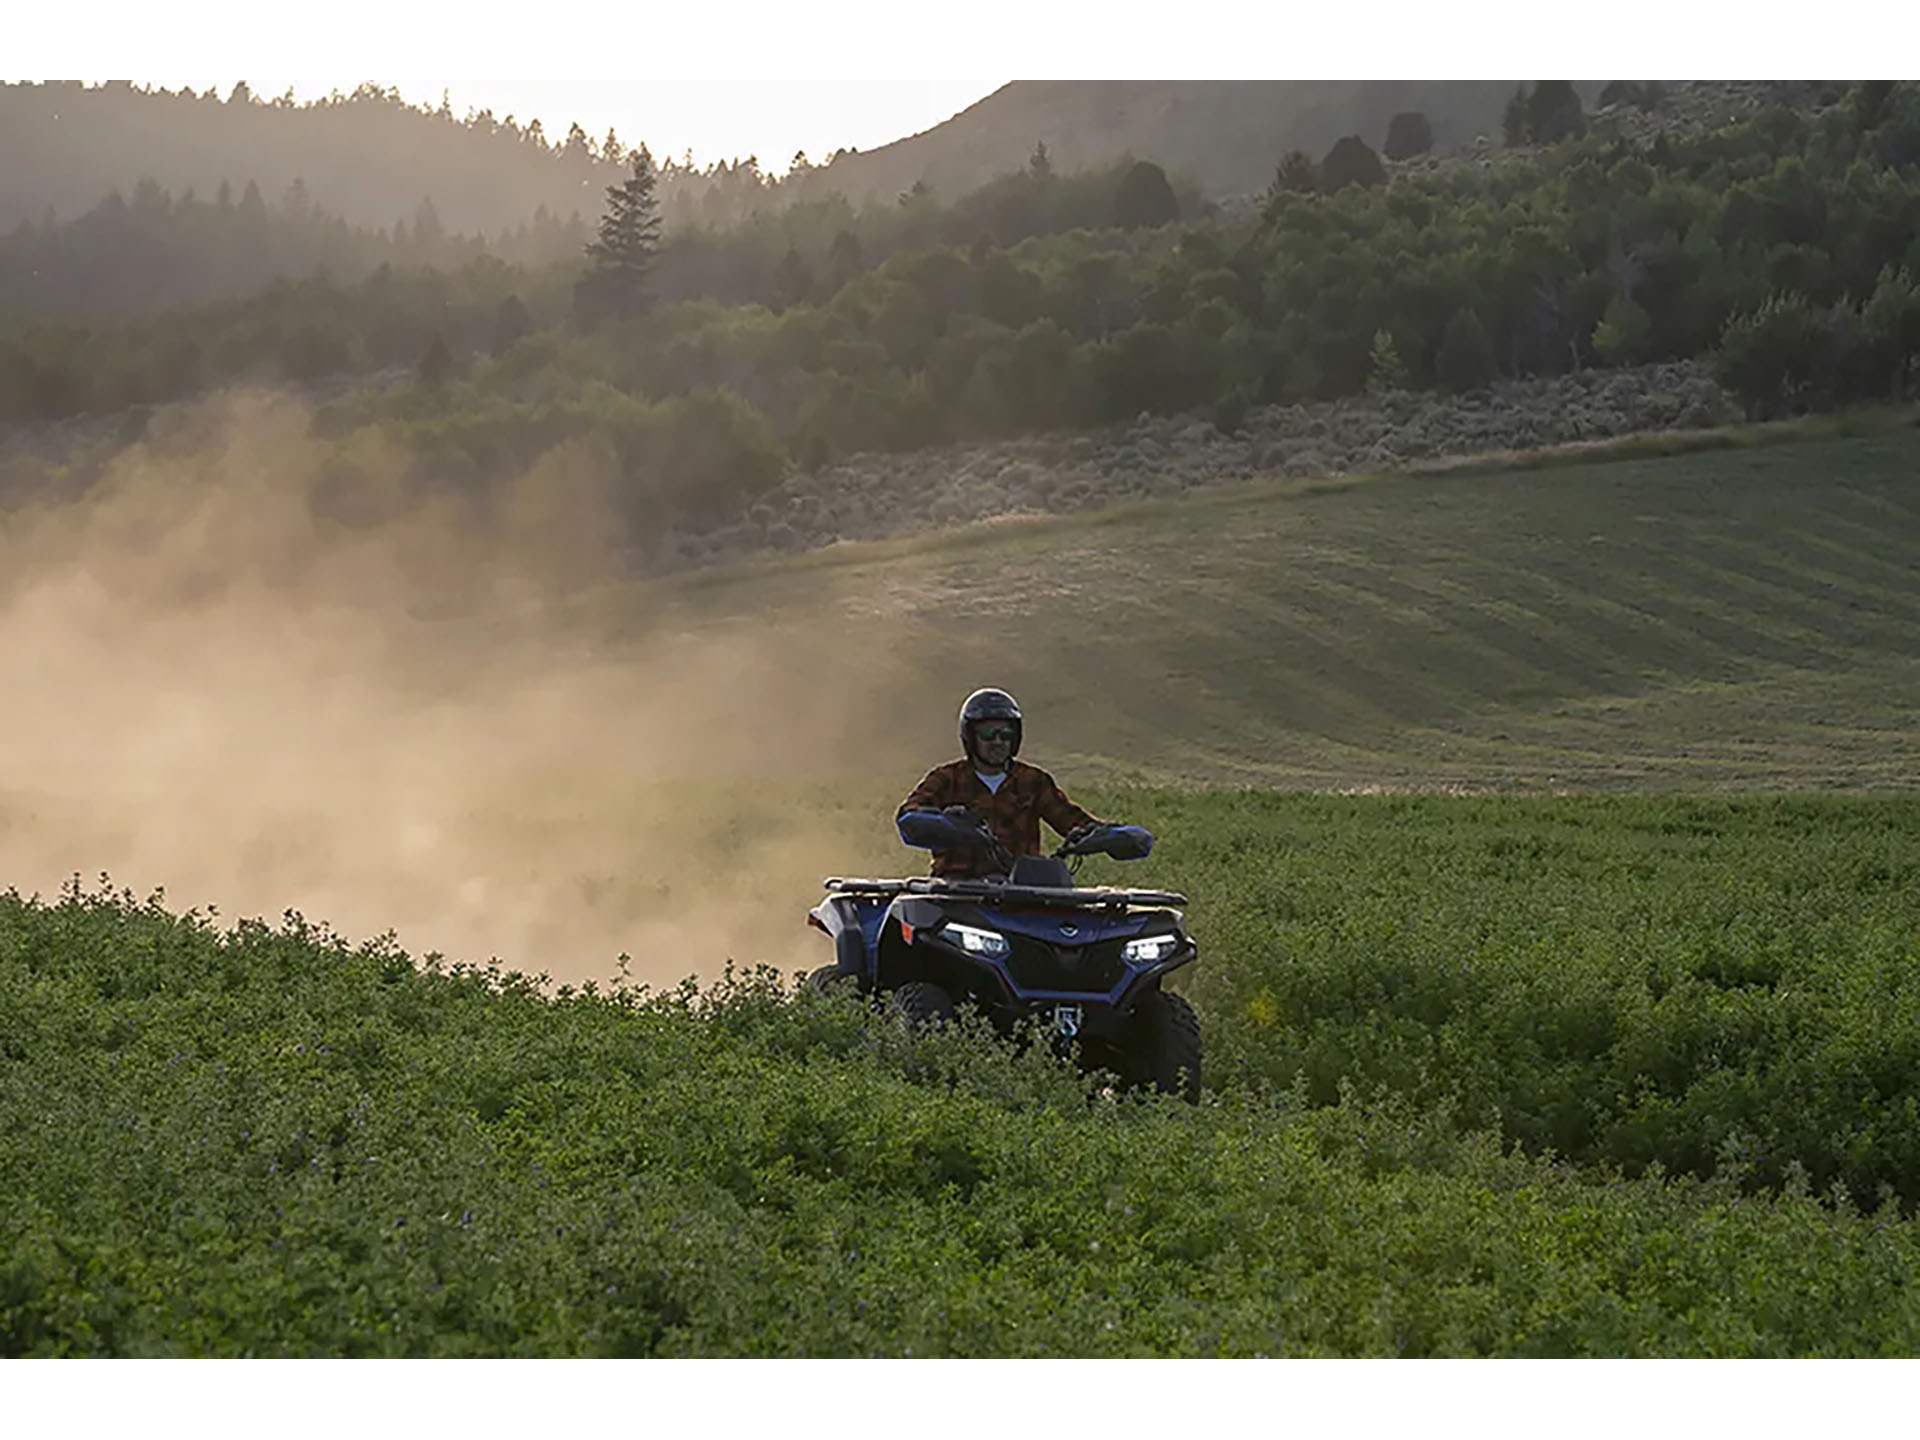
1121,842
957,828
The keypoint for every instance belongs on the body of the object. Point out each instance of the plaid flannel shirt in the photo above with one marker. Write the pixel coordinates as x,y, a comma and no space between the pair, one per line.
1026,797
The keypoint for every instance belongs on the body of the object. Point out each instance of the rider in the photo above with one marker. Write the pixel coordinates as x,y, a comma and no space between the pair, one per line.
1008,796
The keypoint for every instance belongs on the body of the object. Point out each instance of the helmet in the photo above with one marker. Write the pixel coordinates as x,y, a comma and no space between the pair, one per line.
988,705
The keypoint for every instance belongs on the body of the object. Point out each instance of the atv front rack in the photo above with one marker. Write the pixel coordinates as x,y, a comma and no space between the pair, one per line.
998,892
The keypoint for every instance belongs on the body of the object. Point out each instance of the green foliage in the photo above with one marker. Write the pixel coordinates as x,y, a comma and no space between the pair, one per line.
1870,103
622,254
1466,360
1892,316
1545,1077
1772,357
436,364
1624,334
1408,134
1642,95
1386,372
1721,988
1546,113
821,316
1230,412
511,324
1294,174
1145,198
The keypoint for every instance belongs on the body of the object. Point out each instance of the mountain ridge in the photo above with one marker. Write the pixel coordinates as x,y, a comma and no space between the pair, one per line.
372,159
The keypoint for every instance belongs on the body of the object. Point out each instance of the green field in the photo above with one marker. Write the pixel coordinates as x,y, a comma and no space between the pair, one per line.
1736,620
1489,1076
1618,1055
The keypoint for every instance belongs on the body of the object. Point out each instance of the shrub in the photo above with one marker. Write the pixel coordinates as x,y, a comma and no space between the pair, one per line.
1623,334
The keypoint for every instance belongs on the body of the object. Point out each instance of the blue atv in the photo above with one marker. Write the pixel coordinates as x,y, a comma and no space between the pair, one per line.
1025,943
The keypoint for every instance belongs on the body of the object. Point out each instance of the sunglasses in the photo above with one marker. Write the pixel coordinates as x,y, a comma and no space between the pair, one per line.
995,732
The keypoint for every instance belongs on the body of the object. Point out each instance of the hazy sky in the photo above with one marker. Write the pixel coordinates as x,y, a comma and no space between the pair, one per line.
733,79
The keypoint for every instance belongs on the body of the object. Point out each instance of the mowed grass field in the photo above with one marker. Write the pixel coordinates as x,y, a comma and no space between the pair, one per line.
1735,620
1620,1055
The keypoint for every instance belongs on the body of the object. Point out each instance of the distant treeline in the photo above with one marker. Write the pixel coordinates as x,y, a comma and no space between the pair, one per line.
362,155
1786,248
371,158
151,251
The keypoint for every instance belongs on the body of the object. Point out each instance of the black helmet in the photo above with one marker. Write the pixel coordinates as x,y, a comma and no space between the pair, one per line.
988,705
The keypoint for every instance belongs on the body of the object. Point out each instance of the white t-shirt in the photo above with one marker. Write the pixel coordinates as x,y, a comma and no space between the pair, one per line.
992,782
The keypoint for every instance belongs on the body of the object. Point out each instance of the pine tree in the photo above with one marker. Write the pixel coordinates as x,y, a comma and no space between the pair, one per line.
792,281
1296,173
1040,164
623,253
1385,370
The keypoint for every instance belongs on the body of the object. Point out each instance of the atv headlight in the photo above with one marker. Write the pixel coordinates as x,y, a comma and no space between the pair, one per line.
974,940
1149,949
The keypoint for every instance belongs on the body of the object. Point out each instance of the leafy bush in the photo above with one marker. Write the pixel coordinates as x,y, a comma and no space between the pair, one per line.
1773,357
265,1140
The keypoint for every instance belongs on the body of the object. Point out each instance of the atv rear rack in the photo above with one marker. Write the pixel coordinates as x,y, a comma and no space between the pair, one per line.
997,892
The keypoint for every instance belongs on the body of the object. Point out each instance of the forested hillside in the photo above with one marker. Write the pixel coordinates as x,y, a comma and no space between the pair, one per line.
1782,250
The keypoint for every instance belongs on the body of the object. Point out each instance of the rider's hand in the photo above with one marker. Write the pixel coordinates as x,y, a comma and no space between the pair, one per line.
961,814
1080,832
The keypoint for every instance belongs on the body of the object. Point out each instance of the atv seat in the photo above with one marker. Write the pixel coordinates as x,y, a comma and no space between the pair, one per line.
1041,870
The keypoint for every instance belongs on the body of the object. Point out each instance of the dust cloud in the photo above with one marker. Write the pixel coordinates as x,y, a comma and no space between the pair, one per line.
237,677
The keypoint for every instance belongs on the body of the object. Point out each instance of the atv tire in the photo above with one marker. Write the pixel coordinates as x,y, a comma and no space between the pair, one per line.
1165,1052
829,980
921,1004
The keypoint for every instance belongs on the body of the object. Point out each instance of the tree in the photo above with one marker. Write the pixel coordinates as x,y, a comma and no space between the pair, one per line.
1892,318
1385,370
1513,120
792,281
1870,99
1465,360
1408,135
1144,199
1296,174
629,239
1623,334
1040,164
436,364
845,260
510,323
1771,358
1545,115
1351,161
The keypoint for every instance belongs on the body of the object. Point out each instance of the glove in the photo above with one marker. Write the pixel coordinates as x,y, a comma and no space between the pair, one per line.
962,815
1081,832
